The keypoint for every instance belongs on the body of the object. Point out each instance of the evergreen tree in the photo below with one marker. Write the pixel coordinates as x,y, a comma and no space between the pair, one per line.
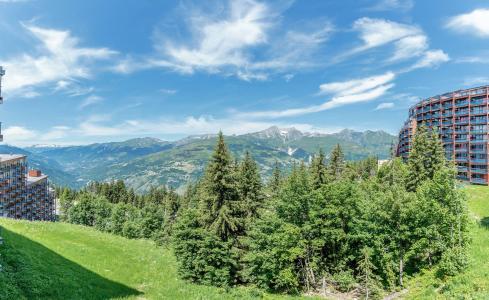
275,181
425,158
250,186
221,206
366,268
319,170
336,164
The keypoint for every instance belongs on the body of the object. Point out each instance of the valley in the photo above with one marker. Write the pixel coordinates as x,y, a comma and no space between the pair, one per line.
146,162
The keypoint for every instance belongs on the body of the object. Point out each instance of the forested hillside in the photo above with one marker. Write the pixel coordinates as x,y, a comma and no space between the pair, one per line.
331,226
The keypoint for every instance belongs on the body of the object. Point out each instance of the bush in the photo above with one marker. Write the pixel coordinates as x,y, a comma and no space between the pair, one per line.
345,281
452,262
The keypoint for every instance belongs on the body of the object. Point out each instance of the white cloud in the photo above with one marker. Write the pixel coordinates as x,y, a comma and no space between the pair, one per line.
402,5
90,100
430,59
168,91
379,32
344,93
18,133
228,43
474,81
476,22
410,46
72,88
409,42
59,58
385,105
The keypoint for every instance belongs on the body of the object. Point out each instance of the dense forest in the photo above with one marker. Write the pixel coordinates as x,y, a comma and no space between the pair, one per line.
328,225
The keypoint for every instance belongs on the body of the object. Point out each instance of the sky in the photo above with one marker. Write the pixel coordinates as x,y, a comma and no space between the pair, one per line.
79,72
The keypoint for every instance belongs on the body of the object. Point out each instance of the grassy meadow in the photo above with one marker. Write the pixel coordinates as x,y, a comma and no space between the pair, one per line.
63,261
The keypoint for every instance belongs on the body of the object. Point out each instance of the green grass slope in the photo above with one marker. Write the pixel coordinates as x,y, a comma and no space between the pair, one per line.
62,261
474,282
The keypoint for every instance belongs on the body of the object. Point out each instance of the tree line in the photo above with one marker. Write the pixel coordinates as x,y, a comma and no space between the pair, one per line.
330,224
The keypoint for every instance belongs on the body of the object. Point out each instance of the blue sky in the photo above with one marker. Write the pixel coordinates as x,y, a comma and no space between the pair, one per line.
91,71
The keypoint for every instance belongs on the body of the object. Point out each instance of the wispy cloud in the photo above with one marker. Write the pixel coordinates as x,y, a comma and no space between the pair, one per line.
90,100
228,44
475,22
409,42
403,5
385,105
59,58
343,93
430,59
474,81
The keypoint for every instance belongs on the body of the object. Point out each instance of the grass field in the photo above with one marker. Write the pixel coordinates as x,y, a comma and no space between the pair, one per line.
63,261
474,282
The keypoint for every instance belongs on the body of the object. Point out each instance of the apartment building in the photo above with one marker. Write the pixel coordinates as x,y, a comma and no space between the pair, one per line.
23,194
461,118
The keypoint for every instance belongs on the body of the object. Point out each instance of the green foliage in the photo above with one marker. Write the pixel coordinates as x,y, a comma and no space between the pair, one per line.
148,216
352,225
336,162
425,158
452,262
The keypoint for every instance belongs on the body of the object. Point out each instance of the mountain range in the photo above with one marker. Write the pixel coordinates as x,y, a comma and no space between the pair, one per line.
146,162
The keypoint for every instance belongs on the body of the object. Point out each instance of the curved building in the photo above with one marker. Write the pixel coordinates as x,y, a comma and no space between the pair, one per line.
461,118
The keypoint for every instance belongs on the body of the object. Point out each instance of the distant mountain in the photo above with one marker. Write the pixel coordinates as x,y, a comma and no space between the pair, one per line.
47,165
144,162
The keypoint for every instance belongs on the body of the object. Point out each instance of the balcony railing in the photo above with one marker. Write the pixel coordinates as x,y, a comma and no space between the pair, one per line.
478,170
479,160
477,180
463,103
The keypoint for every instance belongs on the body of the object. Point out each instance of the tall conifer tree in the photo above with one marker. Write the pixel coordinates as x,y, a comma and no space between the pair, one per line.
319,171
250,186
336,162
221,207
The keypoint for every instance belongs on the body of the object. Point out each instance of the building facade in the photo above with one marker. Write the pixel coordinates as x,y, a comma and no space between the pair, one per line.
23,194
461,119
2,72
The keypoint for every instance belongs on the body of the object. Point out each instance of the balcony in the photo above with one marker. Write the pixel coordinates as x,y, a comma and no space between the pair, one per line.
462,177
461,122
478,170
478,121
477,180
478,150
461,104
462,169
462,112
479,160
461,159
461,149
478,102
462,131
478,111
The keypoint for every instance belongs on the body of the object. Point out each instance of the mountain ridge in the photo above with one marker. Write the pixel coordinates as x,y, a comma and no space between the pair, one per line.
147,161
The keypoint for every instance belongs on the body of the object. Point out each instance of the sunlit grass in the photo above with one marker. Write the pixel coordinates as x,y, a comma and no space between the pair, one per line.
474,282
74,262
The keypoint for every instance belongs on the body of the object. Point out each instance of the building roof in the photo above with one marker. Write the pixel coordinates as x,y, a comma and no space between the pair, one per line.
37,179
10,157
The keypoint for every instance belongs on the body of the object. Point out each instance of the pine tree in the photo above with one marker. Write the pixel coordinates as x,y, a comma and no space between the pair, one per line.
425,159
250,186
366,268
336,162
275,181
220,204
318,170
